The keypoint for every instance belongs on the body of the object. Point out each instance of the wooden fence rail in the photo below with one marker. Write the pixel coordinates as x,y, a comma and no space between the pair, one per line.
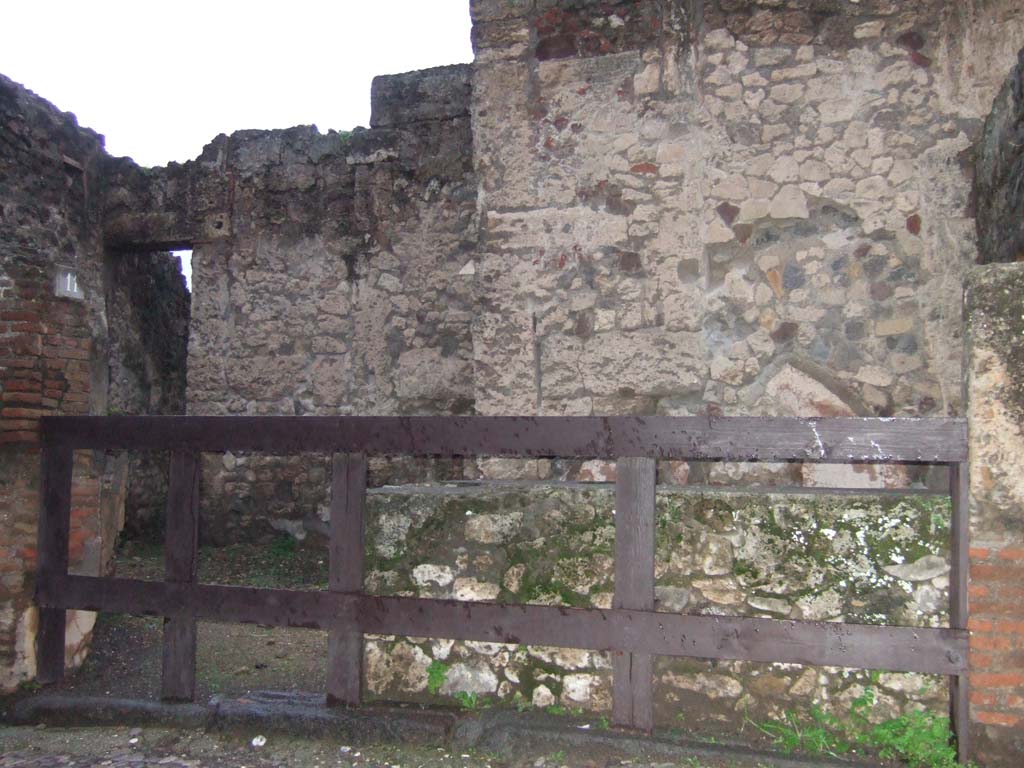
632,630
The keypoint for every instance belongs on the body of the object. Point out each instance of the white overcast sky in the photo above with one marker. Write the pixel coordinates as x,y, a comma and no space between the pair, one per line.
161,79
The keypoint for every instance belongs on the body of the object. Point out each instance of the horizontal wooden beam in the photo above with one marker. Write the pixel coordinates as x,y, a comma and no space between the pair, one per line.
903,649
836,440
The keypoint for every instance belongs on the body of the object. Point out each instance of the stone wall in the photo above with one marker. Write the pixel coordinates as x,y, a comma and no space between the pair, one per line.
328,276
147,318
759,208
995,385
58,355
645,207
995,394
49,348
1001,174
858,559
725,207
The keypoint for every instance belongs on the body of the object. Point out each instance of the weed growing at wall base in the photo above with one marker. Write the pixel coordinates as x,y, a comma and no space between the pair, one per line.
917,739
437,673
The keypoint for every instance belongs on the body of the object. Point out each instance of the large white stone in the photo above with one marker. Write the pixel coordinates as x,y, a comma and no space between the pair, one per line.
467,588
469,678
789,203
924,569
429,573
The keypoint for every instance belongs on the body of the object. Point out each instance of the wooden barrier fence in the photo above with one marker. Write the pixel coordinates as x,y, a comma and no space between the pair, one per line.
632,630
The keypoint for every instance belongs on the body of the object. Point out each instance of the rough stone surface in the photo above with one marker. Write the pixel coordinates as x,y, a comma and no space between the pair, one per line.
58,355
1000,174
821,558
995,383
766,207
147,311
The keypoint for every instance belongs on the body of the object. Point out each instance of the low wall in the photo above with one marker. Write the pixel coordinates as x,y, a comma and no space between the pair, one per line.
847,558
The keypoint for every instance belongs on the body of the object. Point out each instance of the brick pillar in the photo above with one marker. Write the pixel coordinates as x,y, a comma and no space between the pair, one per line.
45,350
995,409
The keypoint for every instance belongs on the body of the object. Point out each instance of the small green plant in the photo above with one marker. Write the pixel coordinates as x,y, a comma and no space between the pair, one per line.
604,723
437,673
520,702
556,709
916,739
821,733
468,700
283,547
558,757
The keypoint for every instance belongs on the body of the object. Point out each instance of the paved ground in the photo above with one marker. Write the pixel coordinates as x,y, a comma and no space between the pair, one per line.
34,747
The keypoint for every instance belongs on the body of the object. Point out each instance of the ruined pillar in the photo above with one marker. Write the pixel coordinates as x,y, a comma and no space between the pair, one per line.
995,409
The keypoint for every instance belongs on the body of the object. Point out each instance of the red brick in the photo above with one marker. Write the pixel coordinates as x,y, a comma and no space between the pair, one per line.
1012,553
1010,626
19,436
12,425
979,553
19,361
980,660
997,679
997,718
22,413
644,168
983,699
977,590
20,314
997,572
29,327
991,642
68,353
20,396
980,625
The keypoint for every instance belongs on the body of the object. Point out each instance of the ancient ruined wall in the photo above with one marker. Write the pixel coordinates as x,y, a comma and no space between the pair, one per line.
96,351
147,318
847,558
995,387
995,391
51,351
672,208
737,207
327,276
1001,174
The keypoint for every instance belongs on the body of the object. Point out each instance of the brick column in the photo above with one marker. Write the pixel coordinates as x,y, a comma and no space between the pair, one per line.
995,409
45,350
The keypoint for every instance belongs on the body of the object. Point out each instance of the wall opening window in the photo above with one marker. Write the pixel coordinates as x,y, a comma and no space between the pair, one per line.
185,258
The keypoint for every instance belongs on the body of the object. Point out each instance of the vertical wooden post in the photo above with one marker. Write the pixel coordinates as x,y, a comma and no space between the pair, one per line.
345,640
632,673
958,610
52,566
180,562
